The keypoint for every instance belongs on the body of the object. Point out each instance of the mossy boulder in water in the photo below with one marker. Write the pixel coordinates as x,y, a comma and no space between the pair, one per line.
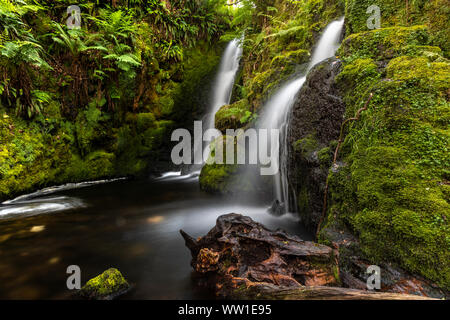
106,286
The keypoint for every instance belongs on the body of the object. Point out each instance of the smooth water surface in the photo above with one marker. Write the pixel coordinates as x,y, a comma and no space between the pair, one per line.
131,225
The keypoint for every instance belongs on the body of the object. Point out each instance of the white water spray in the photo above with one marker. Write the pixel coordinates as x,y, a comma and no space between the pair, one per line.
224,82
223,86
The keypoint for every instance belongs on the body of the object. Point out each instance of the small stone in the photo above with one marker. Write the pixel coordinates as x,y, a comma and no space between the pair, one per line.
106,286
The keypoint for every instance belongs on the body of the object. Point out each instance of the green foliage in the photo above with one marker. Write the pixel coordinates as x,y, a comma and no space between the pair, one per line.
145,121
278,38
393,191
88,128
234,116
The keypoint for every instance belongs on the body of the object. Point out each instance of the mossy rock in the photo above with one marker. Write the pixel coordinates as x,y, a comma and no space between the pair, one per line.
233,116
393,192
216,178
291,57
106,286
384,43
307,145
434,14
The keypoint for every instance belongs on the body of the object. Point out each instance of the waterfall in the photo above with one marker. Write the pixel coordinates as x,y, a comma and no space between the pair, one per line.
222,91
223,85
276,110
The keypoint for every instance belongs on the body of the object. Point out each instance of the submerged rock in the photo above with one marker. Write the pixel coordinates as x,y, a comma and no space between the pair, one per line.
239,252
278,208
106,286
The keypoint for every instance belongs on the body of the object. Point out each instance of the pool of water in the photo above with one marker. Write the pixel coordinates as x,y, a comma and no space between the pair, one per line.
130,225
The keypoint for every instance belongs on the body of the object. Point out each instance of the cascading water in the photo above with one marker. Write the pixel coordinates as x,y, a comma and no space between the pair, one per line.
222,91
276,110
224,82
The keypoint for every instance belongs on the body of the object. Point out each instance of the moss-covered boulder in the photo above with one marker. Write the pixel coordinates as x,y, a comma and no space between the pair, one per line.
384,43
434,14
106,286
234,116
216,178
391,185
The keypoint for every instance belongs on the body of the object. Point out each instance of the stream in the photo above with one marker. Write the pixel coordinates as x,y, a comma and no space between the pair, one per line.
133,225
130,225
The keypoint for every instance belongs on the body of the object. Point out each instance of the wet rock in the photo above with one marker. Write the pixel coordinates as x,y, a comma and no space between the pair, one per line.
239,252
277,209
314,125
106,286
353,266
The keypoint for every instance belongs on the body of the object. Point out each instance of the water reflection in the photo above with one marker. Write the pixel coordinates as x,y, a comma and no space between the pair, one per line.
131,225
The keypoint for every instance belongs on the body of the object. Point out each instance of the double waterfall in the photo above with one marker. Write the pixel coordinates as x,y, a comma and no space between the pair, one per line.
276,111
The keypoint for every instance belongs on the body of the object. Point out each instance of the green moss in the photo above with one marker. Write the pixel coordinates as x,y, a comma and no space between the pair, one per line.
89,128
325,156
145,121
191,95
435,74
291,57
233,116
107,285
392,191
216,177
303,201
434,14
306,145
384,43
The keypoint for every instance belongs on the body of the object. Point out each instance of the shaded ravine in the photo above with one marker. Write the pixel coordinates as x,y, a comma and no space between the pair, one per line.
130,225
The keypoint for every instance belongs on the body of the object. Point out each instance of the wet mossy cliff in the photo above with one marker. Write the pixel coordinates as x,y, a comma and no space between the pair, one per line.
388,190
98,142
279,37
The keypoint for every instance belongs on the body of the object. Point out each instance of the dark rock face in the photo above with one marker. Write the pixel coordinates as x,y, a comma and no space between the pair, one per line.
239,253
314,123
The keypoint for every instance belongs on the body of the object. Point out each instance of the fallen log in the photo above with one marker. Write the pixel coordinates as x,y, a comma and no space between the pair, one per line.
241,259
270,292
